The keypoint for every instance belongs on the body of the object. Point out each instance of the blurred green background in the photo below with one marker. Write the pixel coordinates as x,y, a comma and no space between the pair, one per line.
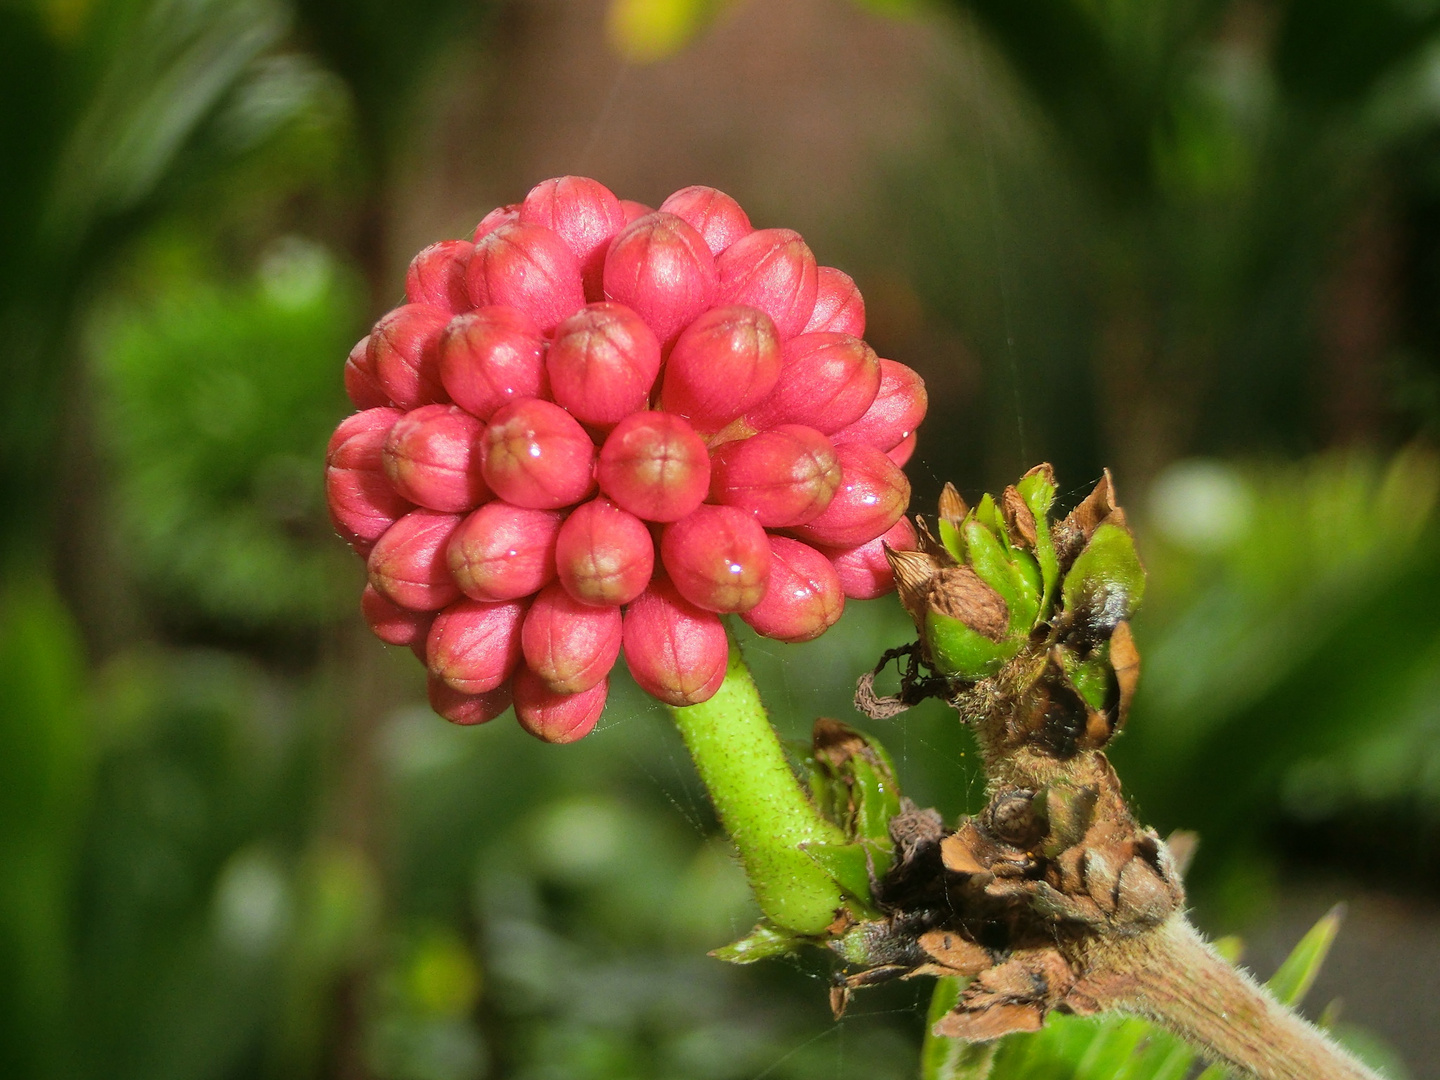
1196,241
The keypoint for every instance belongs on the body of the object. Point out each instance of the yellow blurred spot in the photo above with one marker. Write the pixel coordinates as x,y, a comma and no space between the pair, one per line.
443,978
892,8
647,30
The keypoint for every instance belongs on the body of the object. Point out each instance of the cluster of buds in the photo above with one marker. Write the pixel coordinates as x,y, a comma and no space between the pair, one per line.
597,426
999,591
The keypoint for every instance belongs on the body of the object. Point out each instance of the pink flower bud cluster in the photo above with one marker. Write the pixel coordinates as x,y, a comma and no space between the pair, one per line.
598,427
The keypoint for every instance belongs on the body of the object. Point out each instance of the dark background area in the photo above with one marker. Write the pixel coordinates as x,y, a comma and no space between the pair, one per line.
1195,241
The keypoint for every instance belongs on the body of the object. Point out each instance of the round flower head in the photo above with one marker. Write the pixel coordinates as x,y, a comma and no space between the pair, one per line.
597,427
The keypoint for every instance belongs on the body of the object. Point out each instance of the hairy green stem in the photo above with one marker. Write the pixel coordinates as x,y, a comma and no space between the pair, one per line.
760,802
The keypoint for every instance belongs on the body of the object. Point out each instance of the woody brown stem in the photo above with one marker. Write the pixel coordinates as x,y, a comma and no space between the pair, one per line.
1172,976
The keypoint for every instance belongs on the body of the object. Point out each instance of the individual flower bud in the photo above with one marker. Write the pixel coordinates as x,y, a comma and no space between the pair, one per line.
571,646
582,212
361,384
717,217
501,215
718,558
634,210
466,709
785,476
873,494
602,364
839,307
724,363
404,353
408,563
537,455
1106,581
901,452
392,623
827,381
432,456
864,571
490,358
363,503
773,270
437,276
503,552
604,555
475,645
655,466
804,598
526,267
556,717
675,651
893,416
660,268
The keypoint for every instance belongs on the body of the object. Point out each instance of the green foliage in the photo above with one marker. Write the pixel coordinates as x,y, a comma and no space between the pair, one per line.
1135,211
102,117
1290,628
218,403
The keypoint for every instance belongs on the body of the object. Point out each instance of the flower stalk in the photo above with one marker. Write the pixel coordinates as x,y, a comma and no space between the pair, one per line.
760,802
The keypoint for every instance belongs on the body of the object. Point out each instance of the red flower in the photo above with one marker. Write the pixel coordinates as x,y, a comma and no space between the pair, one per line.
594,425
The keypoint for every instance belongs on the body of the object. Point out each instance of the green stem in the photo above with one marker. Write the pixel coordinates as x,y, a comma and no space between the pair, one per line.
760,802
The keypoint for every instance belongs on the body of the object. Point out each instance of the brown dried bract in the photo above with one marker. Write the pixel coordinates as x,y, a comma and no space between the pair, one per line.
952,506
1022,897
1072,533
1019,519
1125,660
958,592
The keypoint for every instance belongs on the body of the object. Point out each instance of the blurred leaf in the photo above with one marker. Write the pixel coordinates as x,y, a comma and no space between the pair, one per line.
1300,645
1292,981
1331,52
1101,71
204,783
384,50
97,111
167,65
45,759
